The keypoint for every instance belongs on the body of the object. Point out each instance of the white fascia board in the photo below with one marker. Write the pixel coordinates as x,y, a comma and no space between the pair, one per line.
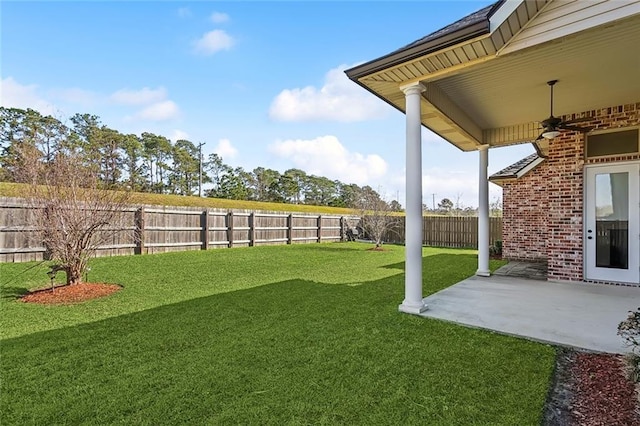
529,167
503,13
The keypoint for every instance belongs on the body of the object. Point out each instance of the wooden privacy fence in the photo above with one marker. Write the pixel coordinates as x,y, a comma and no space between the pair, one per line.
449,231
151,229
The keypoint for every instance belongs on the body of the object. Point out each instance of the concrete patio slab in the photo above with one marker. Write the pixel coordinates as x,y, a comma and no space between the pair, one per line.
580,315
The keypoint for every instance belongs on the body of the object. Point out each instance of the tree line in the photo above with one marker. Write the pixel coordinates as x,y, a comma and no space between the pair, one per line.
447,207
152,163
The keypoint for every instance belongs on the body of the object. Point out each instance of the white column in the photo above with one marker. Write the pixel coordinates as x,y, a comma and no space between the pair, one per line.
483,213
412,302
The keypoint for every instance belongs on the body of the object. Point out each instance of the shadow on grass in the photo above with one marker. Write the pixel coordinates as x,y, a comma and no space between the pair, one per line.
294,352
12,293
345,246
440,271
13,276
440,261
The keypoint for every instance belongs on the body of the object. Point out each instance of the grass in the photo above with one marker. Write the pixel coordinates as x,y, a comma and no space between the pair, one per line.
8,189
306,334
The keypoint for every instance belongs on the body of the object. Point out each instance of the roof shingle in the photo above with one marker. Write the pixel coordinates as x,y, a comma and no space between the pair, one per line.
474,18
513,170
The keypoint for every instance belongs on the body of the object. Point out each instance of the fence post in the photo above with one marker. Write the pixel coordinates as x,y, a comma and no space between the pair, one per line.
290,228
320,228
252,229
230,229
341,228
139,232
204,233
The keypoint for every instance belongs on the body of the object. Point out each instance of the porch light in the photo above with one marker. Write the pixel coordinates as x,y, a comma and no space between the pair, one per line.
551,134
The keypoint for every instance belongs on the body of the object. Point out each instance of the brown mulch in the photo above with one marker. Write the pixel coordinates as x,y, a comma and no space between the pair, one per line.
592,389
606,396
68,294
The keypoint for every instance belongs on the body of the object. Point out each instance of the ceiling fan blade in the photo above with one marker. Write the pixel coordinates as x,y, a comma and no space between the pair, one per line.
577,129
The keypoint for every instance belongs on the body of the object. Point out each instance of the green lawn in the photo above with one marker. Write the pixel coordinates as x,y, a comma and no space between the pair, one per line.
305,334
8,189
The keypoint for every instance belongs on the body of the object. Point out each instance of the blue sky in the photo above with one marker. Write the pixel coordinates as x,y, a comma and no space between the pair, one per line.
260,83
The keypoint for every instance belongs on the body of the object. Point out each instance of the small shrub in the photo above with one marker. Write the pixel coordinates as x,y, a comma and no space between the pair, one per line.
496,248
629,330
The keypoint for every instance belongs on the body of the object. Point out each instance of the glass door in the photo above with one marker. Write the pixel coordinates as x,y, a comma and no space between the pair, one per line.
612,228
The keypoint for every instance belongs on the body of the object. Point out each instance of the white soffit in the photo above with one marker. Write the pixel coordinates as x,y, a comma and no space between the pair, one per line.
596,69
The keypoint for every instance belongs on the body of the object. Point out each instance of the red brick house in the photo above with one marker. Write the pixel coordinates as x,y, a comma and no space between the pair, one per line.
577,207
562,75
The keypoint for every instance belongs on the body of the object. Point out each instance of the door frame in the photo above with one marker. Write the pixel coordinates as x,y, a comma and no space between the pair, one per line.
590,270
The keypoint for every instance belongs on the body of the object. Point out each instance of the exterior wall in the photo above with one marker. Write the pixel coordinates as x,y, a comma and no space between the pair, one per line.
565,189
525,216
551,197
562,18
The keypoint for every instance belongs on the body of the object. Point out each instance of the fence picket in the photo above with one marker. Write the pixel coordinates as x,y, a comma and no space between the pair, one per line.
156,230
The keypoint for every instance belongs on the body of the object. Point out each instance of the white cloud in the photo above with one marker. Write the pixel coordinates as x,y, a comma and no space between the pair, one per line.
219,18
439,183
225,149
156,106
179,135
339,99
326,156
212,42
143,96
450,184
16,95
76,96
159,111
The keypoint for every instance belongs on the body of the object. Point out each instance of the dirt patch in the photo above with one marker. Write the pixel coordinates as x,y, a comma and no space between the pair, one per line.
69,294
376,249
591,389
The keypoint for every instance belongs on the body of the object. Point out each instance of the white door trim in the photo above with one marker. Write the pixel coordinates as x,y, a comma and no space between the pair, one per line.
592,271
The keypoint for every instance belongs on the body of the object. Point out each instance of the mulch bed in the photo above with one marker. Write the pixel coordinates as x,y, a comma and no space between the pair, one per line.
68,294
592,389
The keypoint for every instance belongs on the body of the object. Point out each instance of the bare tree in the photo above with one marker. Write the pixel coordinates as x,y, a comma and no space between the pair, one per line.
73,214
377,215
458,205
495,207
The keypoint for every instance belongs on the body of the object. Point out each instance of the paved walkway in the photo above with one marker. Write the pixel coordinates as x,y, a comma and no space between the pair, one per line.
534,271
580,315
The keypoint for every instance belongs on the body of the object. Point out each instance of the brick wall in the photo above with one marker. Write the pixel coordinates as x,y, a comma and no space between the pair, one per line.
543,213
524,230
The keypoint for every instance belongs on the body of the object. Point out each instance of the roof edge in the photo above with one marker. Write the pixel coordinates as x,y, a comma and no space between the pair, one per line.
413,52
518,169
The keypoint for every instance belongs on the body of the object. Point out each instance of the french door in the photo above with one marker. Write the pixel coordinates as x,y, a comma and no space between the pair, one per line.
612,223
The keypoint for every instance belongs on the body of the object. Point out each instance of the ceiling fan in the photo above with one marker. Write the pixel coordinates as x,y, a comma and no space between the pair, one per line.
552,126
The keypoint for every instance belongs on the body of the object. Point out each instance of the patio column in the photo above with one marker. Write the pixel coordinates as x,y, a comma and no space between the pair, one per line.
412,302
483,213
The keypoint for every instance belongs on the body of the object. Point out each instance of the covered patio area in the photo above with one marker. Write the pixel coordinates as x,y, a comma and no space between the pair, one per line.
487,81
579,315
